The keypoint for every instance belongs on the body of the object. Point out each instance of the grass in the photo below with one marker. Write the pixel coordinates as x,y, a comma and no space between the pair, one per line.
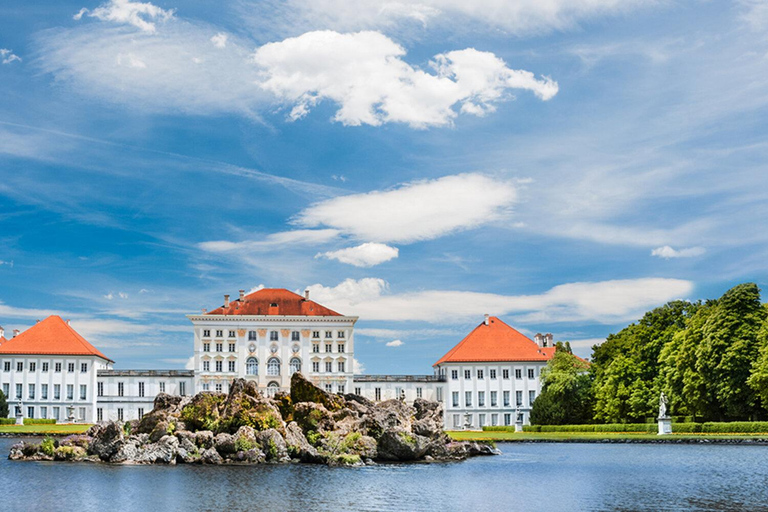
588,436
65,428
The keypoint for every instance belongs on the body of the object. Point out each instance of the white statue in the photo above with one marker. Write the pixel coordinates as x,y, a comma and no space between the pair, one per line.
663,405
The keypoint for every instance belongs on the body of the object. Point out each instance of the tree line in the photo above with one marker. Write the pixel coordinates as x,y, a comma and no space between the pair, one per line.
710,359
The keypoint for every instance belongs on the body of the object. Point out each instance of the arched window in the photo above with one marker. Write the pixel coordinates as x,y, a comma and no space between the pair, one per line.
251,366
295,365
272,388
273,366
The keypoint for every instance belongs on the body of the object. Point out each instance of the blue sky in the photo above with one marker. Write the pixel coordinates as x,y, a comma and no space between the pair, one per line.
564,165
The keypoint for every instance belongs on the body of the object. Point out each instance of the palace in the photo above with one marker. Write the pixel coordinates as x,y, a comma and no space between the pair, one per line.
491,377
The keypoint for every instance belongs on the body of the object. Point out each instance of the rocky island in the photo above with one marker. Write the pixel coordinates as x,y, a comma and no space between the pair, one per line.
244,426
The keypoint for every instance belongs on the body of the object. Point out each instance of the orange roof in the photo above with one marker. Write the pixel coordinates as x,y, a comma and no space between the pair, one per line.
51,336
274,301
496,342
2,340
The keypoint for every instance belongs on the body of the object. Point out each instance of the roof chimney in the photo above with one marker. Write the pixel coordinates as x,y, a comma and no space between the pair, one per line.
2,331
67,321
549,340
306,294
242,294
539,339
486,320
15,332
226,301
205,310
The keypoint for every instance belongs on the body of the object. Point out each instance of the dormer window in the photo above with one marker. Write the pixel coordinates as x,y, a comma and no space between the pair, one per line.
273,305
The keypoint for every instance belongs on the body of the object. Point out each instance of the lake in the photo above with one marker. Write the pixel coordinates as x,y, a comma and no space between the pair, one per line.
528,477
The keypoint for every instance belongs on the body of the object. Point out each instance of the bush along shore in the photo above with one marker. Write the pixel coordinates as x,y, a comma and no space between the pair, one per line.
307,425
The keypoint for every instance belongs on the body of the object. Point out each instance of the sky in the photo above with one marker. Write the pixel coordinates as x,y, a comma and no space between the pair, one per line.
565,165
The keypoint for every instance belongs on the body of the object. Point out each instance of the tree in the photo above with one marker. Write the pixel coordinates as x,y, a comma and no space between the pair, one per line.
3,405
758,379
566,391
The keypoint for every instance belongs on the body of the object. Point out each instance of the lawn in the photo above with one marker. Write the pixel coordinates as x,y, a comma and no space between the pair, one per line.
65,428
590,436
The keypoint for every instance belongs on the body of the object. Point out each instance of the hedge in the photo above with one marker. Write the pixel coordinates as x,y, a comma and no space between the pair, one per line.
7,421
733,427
39,421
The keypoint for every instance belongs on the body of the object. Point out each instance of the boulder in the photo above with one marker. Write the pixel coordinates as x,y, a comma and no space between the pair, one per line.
388,415
211,456
304,391
298,447
273,445
164,451
107,440
204,439
401,445
224,444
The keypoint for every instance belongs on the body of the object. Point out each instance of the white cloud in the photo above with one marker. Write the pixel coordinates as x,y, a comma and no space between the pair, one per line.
420,210
364,255
125,12
255,289
603,302
131,61
668,252
754,13
395,343
7,56
9,263
357,366
364,73
281,239
219,40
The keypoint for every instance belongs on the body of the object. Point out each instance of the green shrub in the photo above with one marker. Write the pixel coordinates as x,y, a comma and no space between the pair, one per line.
48,446
243,444
348,459
38,421
735,427
203,412
7,421
686,428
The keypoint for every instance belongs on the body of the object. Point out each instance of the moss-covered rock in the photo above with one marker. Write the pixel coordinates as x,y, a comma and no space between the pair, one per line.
304,391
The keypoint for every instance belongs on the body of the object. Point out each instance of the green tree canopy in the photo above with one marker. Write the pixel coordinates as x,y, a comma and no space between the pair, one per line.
566,391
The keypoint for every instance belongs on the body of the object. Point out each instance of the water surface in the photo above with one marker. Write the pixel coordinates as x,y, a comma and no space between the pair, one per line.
530,477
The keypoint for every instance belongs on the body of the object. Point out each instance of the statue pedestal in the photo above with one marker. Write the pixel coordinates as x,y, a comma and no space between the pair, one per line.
518,427
19,420
665,426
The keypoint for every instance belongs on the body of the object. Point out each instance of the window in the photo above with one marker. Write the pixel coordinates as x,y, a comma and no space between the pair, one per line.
340,334
494,398
480,374
99,414
100,389
119,414
494,419
455,399
7,366
518,373
44,391
328,347
505,373
377,393
340,346
120,389
206,366
31,393
57,368
457,420
329,334
273,336
530,373
315,334
18,391
272,388
467,374
273,366
6,389
329,388
531,397
507,419
19,367
219,347
231,366
418,392
30,412
231,334
206,333
57,391
141,389
182,388
162,387
45,367
56,413
252,336
493,374
316,348
83,367
219,366
83,392
506,398
328,366
295,336
206,347
481,420
70,367
206,387
316,366
219,333
251,366
481,398
340,389
141,412
358,391
467,399
219,388
455,374
32,367
71,392
231,347
519,398
340,366
295,365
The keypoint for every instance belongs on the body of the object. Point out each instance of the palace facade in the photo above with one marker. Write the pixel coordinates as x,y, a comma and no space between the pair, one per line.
491,377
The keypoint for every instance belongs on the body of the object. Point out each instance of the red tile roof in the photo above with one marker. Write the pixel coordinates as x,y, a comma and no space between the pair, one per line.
51,336
274,301
496,342
2,340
